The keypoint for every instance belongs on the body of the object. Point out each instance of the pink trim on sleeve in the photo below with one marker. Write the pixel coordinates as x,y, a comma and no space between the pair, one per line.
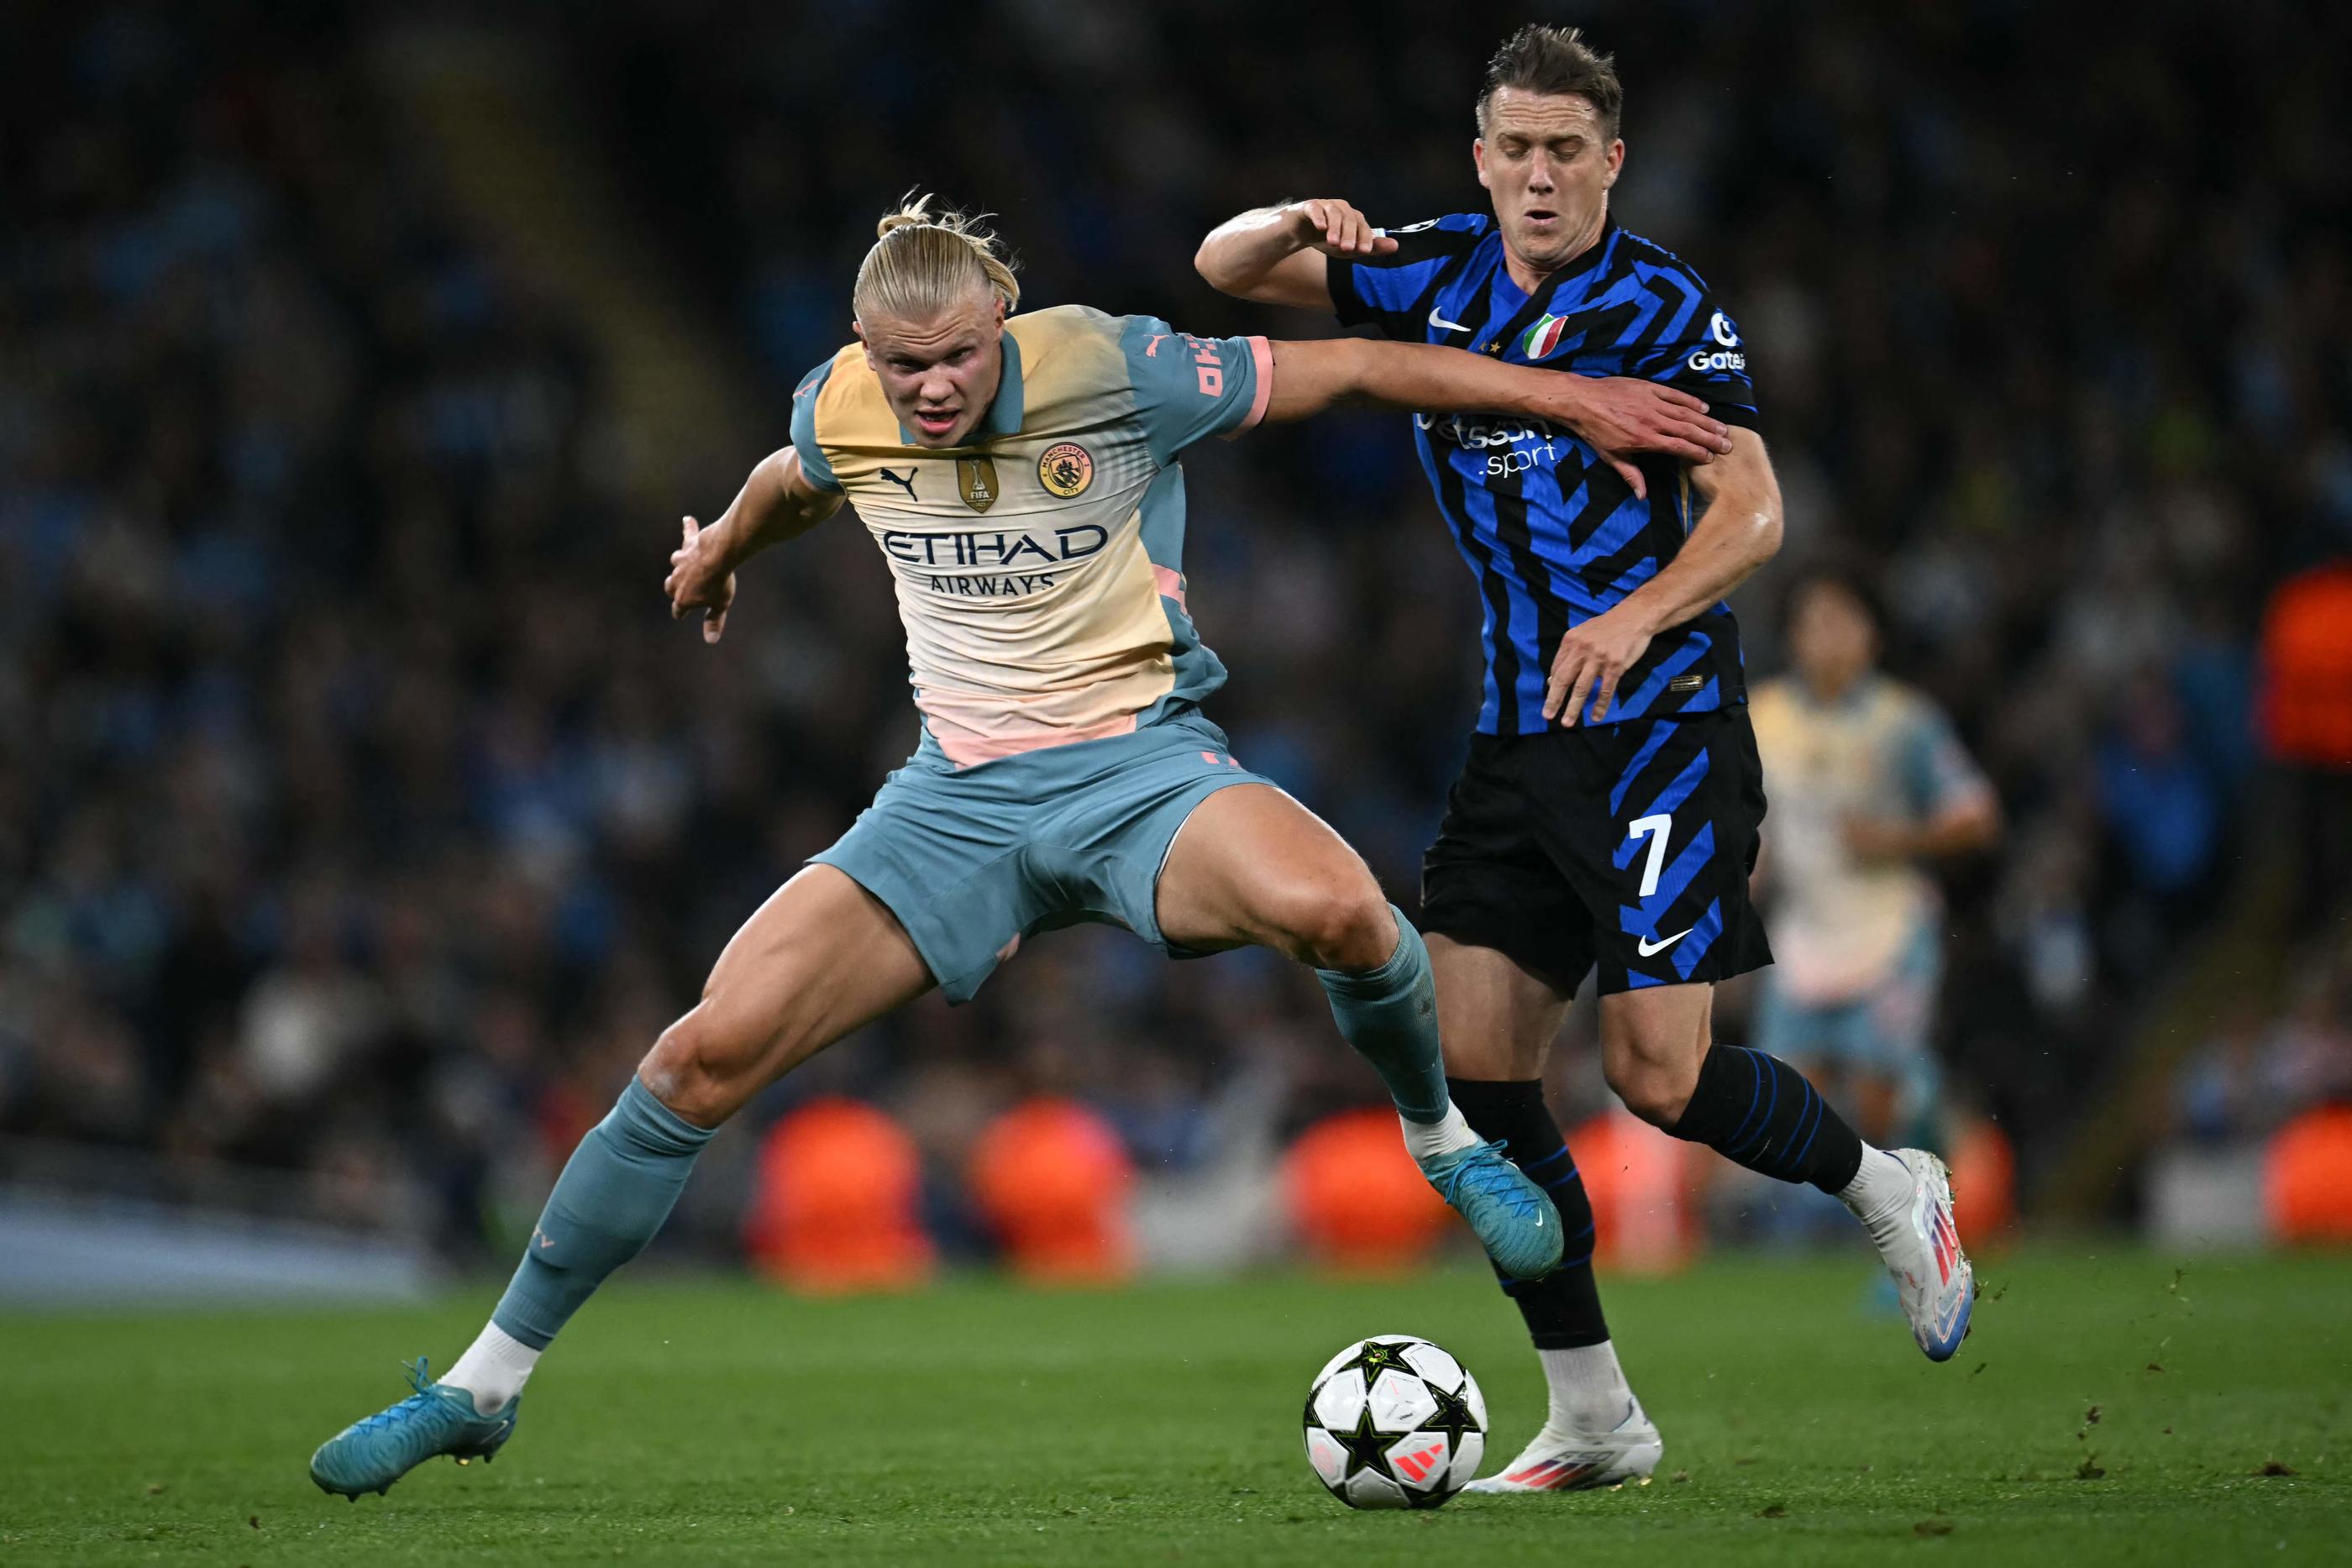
1262,355
1171,586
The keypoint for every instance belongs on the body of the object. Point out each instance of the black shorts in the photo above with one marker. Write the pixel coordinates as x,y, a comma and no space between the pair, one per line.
1625,845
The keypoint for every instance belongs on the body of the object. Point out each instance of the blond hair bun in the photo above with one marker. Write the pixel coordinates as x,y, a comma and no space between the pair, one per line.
923,262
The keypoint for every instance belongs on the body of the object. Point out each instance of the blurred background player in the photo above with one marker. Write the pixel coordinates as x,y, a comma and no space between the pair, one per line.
1870,787
1606,820
1021,478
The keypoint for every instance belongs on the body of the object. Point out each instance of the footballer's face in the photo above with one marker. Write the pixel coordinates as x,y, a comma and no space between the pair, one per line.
940,374
1830,638
1547,159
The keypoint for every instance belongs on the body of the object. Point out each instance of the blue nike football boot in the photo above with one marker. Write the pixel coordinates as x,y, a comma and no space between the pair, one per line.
1513,1217
369,1455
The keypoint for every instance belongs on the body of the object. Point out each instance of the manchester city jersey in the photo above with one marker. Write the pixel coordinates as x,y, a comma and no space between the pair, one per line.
1040,566
1841,924
1553,535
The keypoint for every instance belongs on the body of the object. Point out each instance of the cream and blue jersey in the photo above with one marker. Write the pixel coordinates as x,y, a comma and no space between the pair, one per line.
1552,532
1039,567
1841,925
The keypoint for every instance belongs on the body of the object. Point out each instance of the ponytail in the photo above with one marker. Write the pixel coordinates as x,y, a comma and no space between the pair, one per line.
923,262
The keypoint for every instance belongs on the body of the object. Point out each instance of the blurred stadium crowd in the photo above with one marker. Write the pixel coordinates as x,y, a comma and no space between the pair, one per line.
361,815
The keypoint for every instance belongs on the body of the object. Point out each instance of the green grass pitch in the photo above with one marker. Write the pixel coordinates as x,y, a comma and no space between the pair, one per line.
2108,1410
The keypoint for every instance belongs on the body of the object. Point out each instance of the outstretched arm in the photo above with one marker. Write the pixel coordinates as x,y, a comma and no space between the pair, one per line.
777,502
1738,531
1617,416
1968,825
1274,255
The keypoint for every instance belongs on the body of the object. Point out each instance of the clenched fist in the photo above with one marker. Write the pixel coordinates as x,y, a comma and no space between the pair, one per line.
1336,228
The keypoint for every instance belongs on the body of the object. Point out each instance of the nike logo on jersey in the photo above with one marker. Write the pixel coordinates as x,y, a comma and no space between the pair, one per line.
1441,324
1649,950
907,484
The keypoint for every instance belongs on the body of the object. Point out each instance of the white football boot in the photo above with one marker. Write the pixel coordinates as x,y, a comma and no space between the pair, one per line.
1561,1461
1921,1248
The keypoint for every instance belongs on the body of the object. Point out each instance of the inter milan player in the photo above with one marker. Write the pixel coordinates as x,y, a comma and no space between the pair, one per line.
1023,479
1608,816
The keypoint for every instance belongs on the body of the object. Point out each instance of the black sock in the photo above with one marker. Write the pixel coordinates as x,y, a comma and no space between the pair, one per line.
1761,1113
1563,1308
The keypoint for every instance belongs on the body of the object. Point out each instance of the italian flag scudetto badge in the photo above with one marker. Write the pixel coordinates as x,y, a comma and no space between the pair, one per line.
1545,334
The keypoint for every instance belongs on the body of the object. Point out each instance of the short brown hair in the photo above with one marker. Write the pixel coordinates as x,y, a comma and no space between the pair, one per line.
1554,60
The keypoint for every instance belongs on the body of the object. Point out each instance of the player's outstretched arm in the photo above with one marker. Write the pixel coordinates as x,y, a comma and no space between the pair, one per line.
776,503
1967,826
1738,531
1274,255
1619,415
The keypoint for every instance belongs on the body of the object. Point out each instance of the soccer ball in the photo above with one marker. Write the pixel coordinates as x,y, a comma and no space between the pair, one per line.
1392,1421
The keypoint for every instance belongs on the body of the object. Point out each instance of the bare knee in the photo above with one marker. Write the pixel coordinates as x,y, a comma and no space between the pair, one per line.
1349,929
705,1071
1654,1086
1652,1043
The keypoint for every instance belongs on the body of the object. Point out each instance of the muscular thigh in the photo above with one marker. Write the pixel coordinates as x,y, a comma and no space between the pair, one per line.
821,958
1498,1020
1253,865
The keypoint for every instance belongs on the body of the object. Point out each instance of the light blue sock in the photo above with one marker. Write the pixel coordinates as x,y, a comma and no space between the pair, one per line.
615,1190
1390,1015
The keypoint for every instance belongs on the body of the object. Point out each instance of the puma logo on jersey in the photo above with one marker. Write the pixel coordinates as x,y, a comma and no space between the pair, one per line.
906,484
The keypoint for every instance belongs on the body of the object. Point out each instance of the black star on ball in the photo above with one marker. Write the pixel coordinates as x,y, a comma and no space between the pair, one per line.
1376,1358
1452,1417
1366,1446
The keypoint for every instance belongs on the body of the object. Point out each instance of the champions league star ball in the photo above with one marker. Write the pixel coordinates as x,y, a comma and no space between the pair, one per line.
1394,1422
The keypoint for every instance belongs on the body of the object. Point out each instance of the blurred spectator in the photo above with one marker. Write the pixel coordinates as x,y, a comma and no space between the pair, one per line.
305,1019
2261,1070
2232,1090
2164,814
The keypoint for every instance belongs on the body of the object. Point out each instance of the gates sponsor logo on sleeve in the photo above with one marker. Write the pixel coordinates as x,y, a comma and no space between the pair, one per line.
1728,355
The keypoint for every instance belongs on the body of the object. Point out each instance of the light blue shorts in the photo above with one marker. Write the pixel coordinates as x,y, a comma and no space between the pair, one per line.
1884,1031
970,858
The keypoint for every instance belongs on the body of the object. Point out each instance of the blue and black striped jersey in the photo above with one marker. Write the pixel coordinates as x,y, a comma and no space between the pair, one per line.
1553,534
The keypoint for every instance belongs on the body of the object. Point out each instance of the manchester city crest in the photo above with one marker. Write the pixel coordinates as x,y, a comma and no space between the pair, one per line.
1066,469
